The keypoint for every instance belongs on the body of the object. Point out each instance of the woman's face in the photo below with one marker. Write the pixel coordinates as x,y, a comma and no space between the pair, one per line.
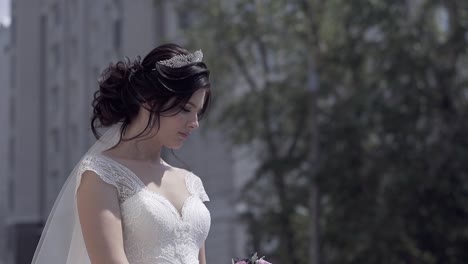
175,129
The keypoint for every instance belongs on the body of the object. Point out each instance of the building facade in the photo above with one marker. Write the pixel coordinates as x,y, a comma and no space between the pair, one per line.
5,136
59,48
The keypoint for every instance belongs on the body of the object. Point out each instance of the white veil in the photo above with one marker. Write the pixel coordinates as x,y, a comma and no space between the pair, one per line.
61,240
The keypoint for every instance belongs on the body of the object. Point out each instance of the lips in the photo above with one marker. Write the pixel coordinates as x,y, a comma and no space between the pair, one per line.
184,135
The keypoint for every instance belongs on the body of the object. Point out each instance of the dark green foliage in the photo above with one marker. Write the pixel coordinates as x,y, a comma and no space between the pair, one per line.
379,124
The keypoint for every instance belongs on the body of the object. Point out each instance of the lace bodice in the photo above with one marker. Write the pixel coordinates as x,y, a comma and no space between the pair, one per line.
154,231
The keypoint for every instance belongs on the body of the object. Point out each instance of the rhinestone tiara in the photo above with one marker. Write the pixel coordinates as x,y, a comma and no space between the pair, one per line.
182,59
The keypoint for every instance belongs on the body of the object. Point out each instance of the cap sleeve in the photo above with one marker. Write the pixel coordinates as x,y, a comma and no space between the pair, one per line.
195,186
110,173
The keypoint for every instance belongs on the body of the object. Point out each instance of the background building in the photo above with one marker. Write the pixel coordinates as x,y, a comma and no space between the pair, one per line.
5,136
59,48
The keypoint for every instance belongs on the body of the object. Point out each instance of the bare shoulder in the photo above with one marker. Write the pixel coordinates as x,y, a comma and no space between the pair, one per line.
176,170
179,171
97,201
92,185
100,219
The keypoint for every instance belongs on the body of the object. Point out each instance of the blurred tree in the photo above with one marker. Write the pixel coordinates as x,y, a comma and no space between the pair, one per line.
357,113
393,162
256,46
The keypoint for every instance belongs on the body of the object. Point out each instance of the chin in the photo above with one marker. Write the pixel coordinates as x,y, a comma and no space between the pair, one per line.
175,146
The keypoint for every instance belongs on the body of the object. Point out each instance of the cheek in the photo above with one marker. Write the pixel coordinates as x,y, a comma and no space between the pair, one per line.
181,118
173,122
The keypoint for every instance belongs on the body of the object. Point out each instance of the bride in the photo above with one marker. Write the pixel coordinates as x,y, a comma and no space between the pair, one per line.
122,203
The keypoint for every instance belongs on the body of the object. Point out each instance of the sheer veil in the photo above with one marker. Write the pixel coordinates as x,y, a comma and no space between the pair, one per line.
61,240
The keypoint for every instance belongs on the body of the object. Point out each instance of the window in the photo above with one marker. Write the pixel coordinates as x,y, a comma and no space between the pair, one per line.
55,98
13,29
54,134
74,49
117,35
12,113
13,69
73,91
73,135
55,51
56,15
11,193
11,154
11,184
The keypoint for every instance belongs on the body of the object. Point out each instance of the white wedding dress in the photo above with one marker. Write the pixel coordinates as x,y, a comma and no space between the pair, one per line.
154,231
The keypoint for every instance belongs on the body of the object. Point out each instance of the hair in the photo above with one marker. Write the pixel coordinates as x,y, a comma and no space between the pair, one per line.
125,87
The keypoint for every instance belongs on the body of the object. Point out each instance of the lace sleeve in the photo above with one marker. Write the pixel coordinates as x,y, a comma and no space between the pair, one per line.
110,174
195,186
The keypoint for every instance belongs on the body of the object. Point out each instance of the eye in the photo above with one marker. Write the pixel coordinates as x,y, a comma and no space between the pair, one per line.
185,109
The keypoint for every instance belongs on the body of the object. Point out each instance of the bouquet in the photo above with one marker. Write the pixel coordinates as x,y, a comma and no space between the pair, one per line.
252,260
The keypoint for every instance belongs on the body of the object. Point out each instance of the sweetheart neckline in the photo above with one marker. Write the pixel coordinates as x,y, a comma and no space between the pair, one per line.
179,213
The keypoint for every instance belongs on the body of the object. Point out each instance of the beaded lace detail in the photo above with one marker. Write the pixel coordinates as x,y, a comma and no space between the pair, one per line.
153,229
126,185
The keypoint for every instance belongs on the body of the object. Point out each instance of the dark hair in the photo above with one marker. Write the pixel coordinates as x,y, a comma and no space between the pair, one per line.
125,86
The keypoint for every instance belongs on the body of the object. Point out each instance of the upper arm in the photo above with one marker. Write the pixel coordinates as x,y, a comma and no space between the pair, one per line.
202,255
100,219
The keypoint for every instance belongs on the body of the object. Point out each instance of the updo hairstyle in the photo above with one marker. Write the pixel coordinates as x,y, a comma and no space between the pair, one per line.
126,86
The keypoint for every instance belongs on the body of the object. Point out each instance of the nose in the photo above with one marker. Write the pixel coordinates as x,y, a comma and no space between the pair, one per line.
193,123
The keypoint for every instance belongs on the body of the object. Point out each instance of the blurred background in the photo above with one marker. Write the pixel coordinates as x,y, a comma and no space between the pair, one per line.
338,133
